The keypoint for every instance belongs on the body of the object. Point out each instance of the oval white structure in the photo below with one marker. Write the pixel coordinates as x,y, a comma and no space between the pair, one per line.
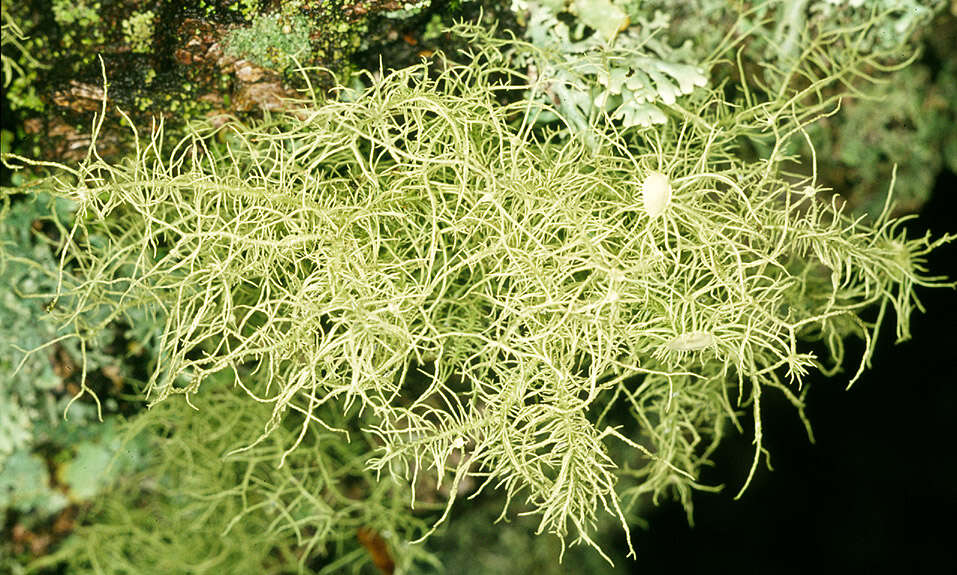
656,193
691,341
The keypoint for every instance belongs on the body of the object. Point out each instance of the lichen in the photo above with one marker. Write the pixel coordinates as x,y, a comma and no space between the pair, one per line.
412,292
485,293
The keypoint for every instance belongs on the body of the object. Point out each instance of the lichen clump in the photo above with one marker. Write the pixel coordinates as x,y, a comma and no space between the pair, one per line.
493,303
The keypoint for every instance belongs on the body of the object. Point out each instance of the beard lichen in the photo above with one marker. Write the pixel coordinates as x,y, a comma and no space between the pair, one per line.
488,300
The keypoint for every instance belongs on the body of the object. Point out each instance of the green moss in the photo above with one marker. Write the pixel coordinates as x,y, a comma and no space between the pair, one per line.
272,41
80,12
409,9
434,28
249,8
79,23
138,31
22,93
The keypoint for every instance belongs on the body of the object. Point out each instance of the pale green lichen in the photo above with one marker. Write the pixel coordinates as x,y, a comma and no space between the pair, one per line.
482,300
604,16
493,301
33,394
630,73
190,509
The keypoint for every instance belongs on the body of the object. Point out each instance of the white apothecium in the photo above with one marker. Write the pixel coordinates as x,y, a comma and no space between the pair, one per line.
656,193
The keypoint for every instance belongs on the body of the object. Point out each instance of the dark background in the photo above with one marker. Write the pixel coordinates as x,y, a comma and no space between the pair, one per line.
876,494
